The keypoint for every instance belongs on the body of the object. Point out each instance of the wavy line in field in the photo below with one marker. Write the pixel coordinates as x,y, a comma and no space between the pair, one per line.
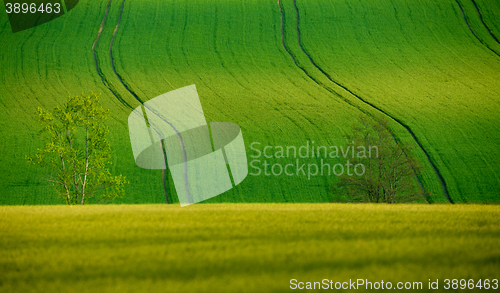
282,15
96,59
23,79
294,58
443,183
314,79
152,38
460,6
482,157
221,60
482,20
320,69
420,52
287,49
322,85
291,118
165,173
5,24
181,142
112,60
406,127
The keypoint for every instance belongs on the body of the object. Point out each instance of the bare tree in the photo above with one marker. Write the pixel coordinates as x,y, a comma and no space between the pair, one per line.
390,170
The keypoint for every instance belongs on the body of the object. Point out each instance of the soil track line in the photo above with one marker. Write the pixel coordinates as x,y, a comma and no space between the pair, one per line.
482,20
181,142
96,59
113,61
282,16
325,86
5,24
104,81
441,179
436,171
282,12
472,31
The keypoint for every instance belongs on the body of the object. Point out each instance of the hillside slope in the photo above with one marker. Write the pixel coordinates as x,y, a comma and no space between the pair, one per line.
431,67
425,65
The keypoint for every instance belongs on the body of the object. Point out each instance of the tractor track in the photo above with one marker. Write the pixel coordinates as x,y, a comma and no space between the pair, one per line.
5,24
303,69
429,159
181,142
482,21
472,31
96,59
113,60
311,60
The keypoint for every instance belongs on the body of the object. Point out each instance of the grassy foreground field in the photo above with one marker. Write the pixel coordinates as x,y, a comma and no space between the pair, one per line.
242,247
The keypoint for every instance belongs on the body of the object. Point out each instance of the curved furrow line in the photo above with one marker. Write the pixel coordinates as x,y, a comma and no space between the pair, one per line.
482,21
438,174
113,62
96,59
21,77
5,24
218,53
472,31
181,142
287,49
277,85
295,60
400,122
152,39
282,16
322,84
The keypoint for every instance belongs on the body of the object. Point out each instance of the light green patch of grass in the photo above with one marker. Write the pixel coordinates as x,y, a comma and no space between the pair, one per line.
241,247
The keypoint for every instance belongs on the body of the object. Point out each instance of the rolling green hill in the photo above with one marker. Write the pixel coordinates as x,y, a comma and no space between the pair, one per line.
286,72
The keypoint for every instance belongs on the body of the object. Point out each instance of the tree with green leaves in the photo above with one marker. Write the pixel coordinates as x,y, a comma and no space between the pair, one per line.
391,172
76,152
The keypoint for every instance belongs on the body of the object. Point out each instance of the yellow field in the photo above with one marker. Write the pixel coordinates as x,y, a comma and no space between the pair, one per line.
242,247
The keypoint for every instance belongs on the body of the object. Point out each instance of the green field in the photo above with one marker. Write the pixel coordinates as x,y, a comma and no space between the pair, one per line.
242,247
286,72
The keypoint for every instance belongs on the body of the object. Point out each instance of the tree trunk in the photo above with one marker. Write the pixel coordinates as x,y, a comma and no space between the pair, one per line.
86,161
